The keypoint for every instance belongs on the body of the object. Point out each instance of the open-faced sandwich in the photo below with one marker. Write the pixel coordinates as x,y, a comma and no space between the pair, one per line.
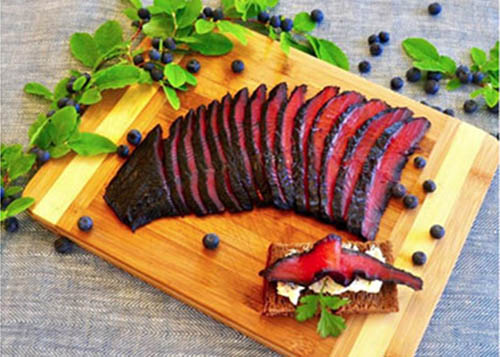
332,277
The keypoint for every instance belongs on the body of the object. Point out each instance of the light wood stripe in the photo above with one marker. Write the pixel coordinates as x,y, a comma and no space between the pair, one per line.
77,173
435,210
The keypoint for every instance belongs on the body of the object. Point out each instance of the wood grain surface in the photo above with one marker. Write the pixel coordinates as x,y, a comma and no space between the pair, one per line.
224,283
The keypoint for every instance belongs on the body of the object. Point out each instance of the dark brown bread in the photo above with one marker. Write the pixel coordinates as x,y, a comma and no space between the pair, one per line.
361,302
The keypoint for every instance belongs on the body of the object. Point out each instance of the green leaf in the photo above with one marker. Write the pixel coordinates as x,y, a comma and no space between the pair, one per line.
89,144
420,49
188,15
476,93
453,84
38,89
190,79
494,52
175,74
155,10
303,23
272,33
3,215
330,324
285,42
107,36
35,128
448,64
145,77
493,79
203,26
60,90
333,302
478,56
331,53
117,76
59,151
18,206
491,65
84,48
131,13
170,6
161,26
490,96
172,97
430,65
12,190
78,84
236,30
136,3
211,44
91,96
21,166
307,308
62,124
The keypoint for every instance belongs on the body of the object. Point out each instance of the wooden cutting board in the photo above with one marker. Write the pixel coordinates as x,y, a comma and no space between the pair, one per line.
224,283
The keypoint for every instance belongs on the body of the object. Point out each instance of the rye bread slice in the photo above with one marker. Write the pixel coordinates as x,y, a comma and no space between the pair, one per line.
361,302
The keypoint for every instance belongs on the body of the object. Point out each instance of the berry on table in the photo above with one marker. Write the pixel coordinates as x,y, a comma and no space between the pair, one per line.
156,42
419,258
208,12
434,8
193,66
373,39
410,201
364,67
317,16
62,102
376,49
384,37
449,112
218,15
11,224
478,77
465,77
166,57
429,186
42,156
138,59
63,245
123,151
398,190
431,86
287,25
419,162
462,69
2,193
169,44
237,66
148,66
470,106
154,55
437,76
437,231
143,13
211,241
263,17
157,74
413,75
134,137
85,223
275,21
397,83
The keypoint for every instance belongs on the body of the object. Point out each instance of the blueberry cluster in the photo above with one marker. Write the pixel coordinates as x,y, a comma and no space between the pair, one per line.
285,24
375,43
208,13
161,53
68,101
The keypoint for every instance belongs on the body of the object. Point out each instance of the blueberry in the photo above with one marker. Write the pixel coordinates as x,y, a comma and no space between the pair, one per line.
122,151
63,245
437,231
156,43
397,83
493,109
50,113
373,39
434,8
478,78
470,106
166,57
169,44
202,16
69,86
70,103
287,25
193,66
218,15
87,78
78,108
317,16
419,258
436,76
413,75
211,241
431,86
465,77
462,69
11,224
157,74
144,13
208,12
364,67
154,55
134,137
43,156
62,102
419,162
148,66
429,186
263,17
376,49
135,23
138,59
398,190
384,37
449,112
237,66
410,201
85,223
7,201
2,193
275,21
